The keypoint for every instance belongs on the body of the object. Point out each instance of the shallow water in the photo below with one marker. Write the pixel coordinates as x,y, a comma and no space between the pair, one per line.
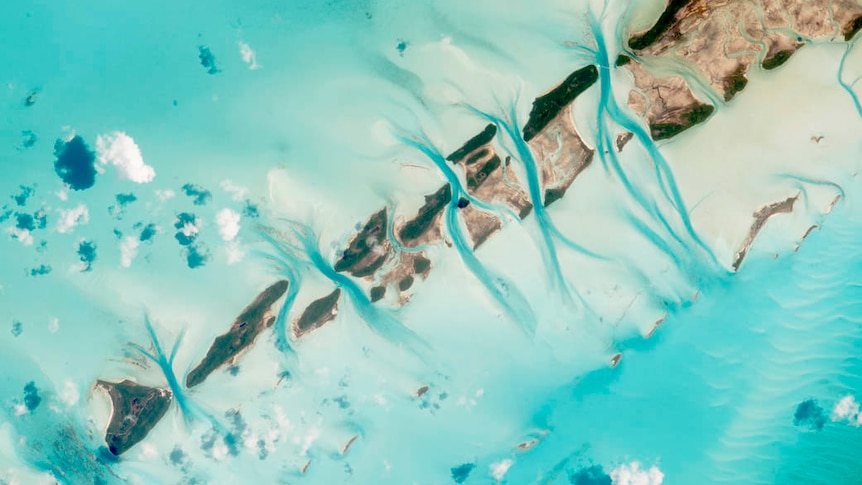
270,131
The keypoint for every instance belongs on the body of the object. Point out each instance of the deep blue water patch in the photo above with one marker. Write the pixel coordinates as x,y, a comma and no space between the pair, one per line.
207,59
7,213
250,210
234,418
31,396
41,219
401,47
28,139
104,456
199,195
196,256
238,427
460,473
117,211
209,439
591,475
809,414
125,199
17,328
75,163
342,401
24,193
41,270
147,232
262,452
25,221
177,456
87,254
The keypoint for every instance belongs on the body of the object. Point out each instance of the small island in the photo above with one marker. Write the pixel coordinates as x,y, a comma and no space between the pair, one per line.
253,320
136,409
317,314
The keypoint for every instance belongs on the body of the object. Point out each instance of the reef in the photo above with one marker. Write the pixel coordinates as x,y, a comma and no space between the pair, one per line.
253,320
136,410
317,314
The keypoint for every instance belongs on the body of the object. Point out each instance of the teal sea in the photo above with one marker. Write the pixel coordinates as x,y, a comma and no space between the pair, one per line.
163,163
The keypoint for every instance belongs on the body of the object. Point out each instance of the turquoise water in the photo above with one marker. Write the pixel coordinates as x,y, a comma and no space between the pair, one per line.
237,169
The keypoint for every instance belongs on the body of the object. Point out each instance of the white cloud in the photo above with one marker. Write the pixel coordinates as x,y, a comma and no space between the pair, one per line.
121,151
54,325
219,450
70,394
22,235
128,250
237,191
631,474
69,218
308,440
191,228
165,194
847,409
234,253
148,450
248,55
500,468
228,224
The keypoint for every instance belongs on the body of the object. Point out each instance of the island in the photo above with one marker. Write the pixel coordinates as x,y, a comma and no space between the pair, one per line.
136,409
253,320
